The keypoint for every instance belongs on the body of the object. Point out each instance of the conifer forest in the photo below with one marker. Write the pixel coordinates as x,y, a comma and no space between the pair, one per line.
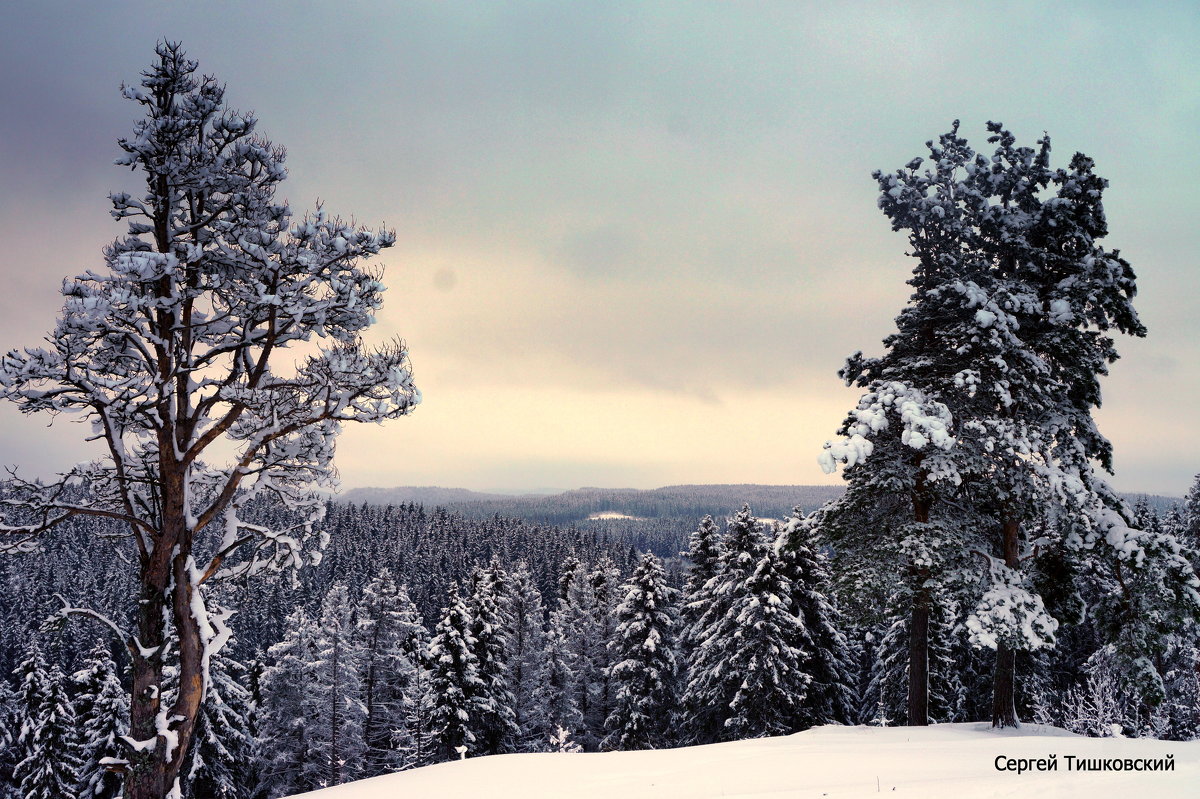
196,612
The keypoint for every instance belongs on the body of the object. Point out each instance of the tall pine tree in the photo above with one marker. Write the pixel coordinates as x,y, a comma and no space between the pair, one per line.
47,767
101,714
644,672
454,683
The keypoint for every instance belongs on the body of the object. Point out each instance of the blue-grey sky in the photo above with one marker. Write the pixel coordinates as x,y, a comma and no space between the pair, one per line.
636,240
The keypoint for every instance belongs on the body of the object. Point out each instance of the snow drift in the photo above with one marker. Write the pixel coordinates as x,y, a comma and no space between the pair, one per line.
948,760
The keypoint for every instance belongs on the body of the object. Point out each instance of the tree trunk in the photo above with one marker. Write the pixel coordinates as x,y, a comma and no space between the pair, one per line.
1004,680
167,589
918,627
1004,688
143,777
918,656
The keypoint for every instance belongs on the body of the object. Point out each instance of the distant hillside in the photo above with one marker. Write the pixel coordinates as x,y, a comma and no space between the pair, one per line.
586,505
690,502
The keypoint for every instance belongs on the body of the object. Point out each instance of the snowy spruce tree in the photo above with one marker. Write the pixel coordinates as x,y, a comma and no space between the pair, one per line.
46,764
528,644
9,729
101,716
702,555
556,691
333,691
644,674
827,658
454,683
764,634
606,593
493,721
286,750
168,350
222,762
713,682
391,638
575,621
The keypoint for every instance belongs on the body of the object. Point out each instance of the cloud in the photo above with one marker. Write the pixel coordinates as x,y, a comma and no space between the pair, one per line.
658,208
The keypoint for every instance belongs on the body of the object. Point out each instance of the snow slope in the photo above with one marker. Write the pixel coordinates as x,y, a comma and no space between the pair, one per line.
946,761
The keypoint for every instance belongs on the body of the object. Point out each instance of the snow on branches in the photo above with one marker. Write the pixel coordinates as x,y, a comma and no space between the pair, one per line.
177,346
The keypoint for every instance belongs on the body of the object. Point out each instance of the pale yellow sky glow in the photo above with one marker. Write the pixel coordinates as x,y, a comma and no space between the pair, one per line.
635,240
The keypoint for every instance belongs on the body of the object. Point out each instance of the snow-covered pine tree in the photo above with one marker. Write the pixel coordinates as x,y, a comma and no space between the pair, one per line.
827,658
390,636
557,690
333,692
169,351
704,549
711,682
101,716
644,673
453,684
46,765
575,621
1008,258
222,763
528,644
898,447
493,721
762,632
606,590
285,745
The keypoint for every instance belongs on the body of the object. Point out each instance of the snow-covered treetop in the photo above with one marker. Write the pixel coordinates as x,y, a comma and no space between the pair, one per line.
993,370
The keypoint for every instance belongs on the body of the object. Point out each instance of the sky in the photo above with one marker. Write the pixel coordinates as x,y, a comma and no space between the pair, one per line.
635,241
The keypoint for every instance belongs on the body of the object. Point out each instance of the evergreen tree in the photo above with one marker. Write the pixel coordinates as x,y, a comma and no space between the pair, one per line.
576,621
761,633
557,691
827,658
493,723
286,745
1003,340
9,728
101,714
886,692
333,693
47,767
644,671
712,682
390,636
704,549
1190,535
606,592
454,683
528,644
212,277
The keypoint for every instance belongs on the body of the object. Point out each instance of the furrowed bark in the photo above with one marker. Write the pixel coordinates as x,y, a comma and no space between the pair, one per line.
1004,680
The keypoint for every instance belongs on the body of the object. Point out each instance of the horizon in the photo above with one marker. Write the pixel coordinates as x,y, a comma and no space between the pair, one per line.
544,491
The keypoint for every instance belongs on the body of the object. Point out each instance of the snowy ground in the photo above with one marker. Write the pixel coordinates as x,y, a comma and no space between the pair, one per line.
942,762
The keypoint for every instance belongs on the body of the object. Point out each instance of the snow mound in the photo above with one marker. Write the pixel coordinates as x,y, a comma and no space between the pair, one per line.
945,761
